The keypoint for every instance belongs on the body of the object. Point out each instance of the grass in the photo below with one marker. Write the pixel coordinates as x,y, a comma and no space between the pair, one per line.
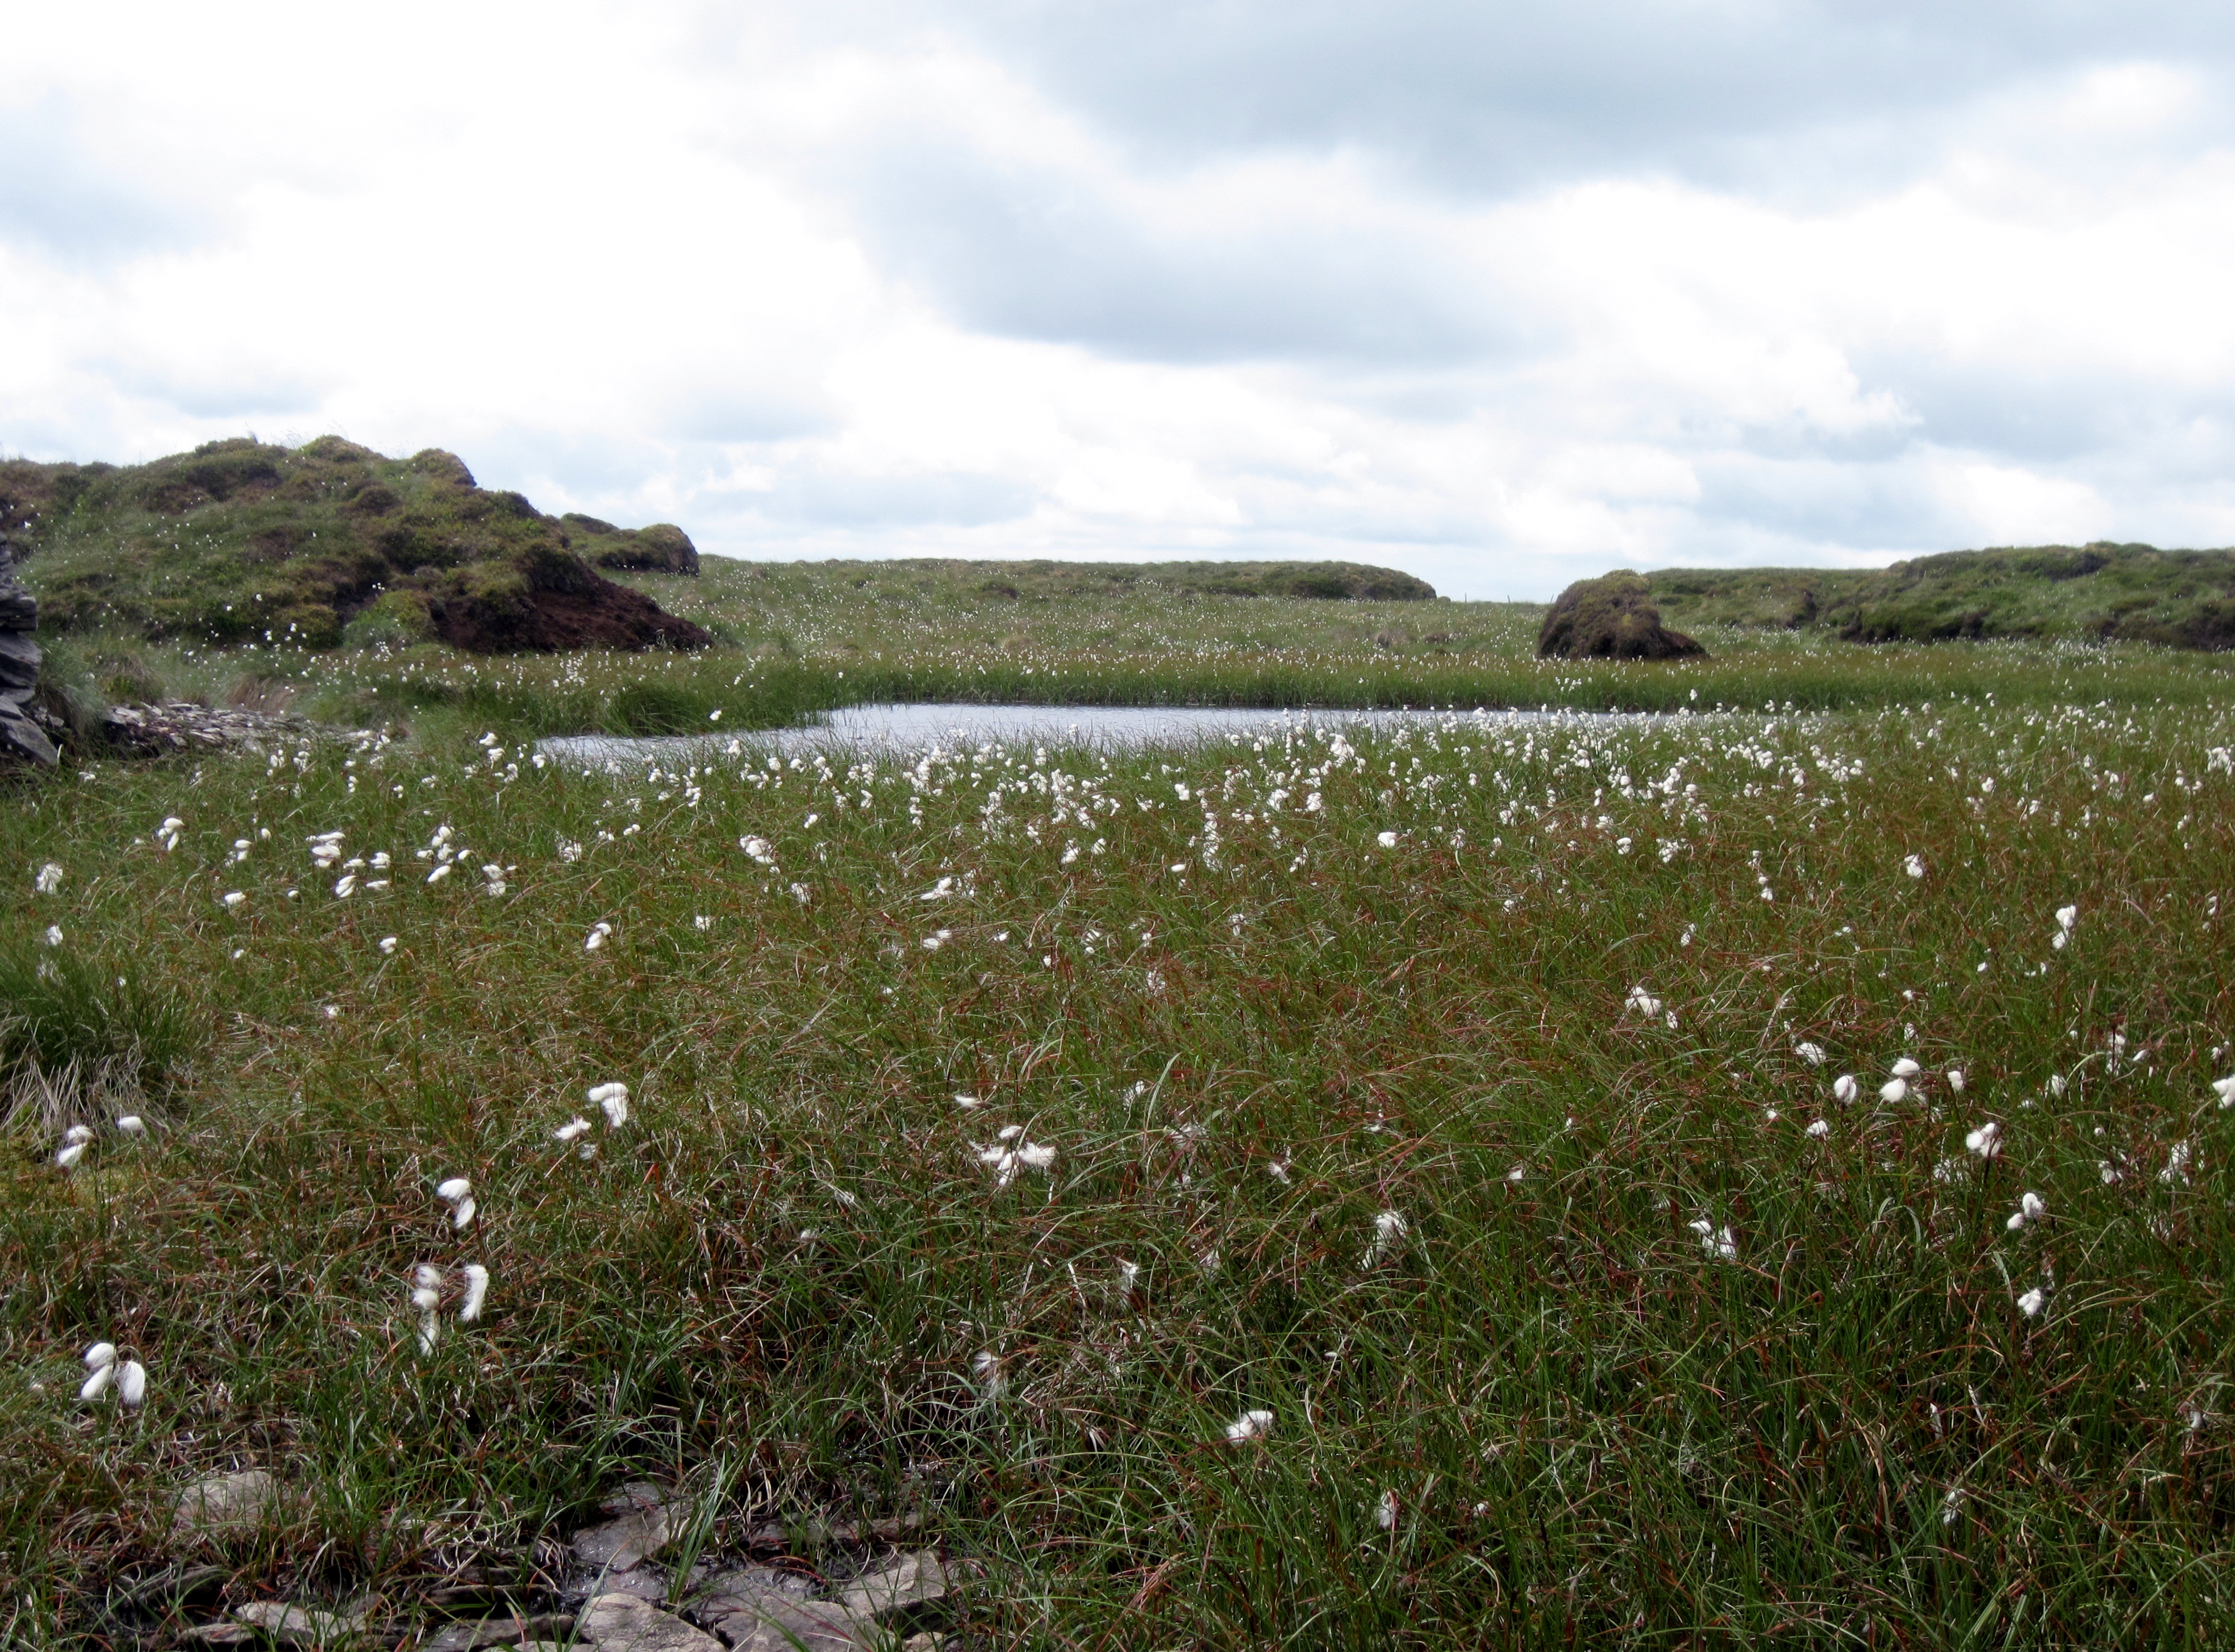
1246,1024
2175,598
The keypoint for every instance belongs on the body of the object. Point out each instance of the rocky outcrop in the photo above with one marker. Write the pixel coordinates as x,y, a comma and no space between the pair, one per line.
1610,617
21,739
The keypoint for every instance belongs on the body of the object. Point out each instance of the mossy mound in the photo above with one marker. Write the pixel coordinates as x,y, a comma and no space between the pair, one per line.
661,548
1612,616
2102,591
241,541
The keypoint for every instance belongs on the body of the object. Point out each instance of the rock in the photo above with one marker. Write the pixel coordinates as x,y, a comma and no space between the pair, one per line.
221,1505
898,1581
776,1623
501,1631
644,1584
224,1632
927,1641
1610,617
20,737
301,1625
643,1527
624,1623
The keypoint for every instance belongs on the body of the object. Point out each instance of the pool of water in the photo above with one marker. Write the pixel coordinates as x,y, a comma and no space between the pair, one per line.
890,729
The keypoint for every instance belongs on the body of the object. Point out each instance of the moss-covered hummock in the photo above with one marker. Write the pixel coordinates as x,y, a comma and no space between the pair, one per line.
2102,592
1610,617
241,541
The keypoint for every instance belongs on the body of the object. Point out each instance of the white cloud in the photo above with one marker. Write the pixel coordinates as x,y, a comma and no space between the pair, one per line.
1750,282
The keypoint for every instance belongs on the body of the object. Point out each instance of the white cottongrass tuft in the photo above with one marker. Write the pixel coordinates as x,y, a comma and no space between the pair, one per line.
2031,1208
613,1097
1819,1129
1956,1079
131,1385
454,1189
387,945
1385,1512
757,850
98,1354
2178,1159
49,880
53,936
1717,1244
598,933
1387,840
1914,866
1011,1152
234,898
131,1124
1906,1068
571,1129
1894,1090
1810,1051
1389,1230
2066,917
1642,1002
97,1384
477,1284
2032,1302
2224,1088
986,1366
1844,1088
1250,1424
1986,1141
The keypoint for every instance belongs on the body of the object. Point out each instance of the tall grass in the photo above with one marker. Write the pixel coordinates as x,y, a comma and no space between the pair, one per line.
1246,1026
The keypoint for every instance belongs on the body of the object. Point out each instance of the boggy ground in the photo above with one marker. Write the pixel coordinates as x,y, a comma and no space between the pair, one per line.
1005,1129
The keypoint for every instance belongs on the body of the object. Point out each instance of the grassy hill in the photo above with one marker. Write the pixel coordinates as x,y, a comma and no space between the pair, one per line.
241,541
2103,592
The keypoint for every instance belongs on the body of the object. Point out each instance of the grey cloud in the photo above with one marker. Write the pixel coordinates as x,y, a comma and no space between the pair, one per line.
1038,254
1516,93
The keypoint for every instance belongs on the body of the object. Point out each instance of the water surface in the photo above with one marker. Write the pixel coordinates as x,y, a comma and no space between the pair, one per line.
885,729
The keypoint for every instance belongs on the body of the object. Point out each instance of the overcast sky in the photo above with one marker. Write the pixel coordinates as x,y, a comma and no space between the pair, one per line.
1499,293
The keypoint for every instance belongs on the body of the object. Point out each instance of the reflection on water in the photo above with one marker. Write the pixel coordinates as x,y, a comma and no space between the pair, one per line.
889,729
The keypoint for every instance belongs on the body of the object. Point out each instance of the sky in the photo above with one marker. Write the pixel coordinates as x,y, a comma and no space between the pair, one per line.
1502,294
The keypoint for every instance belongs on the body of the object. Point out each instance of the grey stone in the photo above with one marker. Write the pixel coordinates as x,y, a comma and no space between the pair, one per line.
219,1505
301,1625
19,660
898,1581
776,1623
640,1531
224,1632
500,1631
624,1623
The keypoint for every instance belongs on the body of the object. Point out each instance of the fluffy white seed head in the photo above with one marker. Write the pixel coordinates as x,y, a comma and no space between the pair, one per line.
454,1189
462,1215
1250,1424
131,1124
1894,1090
572,1128
1956,1080
1906,1068
1844,1088
99,1355
131,1385
97,1384
1385,1512
1810,1051
1986,1141
477,1284
2032,1302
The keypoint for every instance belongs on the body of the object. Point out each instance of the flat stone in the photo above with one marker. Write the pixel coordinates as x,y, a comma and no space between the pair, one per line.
639,1530
897,1581
226,1505
643,1584
625,1623
780,1624
500,1631
301,1625
224,1632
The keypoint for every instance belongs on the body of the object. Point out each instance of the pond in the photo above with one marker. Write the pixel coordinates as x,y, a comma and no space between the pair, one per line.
889,729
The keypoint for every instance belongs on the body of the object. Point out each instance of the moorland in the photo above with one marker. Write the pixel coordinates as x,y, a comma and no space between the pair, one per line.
1754,1175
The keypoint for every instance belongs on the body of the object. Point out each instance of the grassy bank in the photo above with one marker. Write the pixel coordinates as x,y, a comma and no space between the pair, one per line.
1454,1097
